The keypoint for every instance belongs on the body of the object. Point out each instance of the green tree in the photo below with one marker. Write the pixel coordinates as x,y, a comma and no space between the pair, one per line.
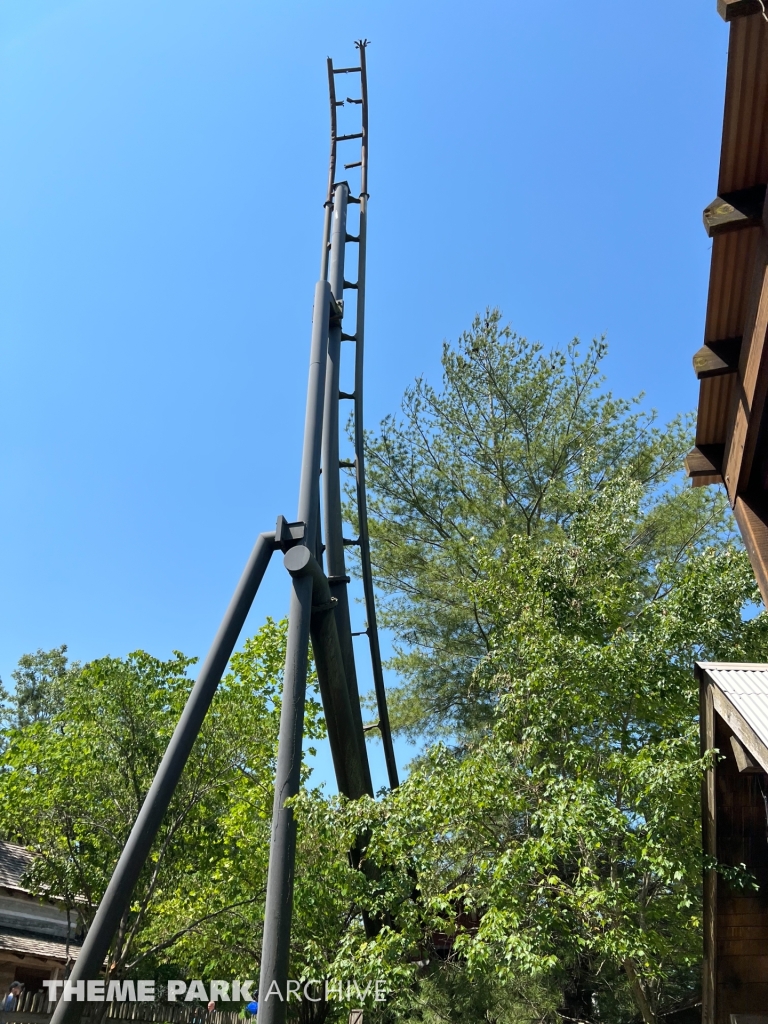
507,448
74,774
551,584
40,680
561,848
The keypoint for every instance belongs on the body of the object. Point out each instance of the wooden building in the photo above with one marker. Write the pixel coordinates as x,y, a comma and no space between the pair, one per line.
33,931
734,720
732,449
732,365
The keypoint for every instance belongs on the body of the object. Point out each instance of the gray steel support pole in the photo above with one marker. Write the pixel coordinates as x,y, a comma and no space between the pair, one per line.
282,850
309,485
278,911
350,770
117,898
334,535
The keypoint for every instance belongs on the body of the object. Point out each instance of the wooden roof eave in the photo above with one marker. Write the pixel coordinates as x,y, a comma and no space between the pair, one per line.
732,365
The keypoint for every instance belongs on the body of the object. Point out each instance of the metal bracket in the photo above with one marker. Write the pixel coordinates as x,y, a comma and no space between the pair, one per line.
288,535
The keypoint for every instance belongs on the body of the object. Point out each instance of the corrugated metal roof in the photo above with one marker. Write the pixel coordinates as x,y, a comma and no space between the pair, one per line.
27,945
746,687
14,862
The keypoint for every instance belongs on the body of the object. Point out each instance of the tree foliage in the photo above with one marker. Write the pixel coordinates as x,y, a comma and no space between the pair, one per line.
511,446
76,770
550,584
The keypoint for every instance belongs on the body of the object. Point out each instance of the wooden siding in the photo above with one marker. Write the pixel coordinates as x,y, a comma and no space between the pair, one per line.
741,926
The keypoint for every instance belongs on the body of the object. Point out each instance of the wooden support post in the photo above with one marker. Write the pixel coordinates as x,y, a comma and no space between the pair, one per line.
709,843
753,526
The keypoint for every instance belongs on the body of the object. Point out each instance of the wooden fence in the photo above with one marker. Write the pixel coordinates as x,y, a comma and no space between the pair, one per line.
35,1008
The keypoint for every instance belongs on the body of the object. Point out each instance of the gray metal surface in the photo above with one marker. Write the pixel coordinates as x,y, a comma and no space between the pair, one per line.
351,769
282,850
309,486
334,533
746,687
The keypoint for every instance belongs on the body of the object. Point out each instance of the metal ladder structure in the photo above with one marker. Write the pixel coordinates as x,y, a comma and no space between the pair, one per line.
339,202
319,605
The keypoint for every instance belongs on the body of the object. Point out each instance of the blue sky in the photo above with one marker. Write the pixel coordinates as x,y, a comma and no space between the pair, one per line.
162,173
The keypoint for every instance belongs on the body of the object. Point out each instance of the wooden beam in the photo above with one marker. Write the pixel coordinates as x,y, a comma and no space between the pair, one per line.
733,211
716,358
753,526
709,842
705,460
743,761
739,725
730,9
751,390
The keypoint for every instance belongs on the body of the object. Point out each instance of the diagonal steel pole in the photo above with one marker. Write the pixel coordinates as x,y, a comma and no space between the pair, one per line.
117,898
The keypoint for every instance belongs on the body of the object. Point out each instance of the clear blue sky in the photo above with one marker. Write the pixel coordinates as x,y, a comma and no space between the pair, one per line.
162,173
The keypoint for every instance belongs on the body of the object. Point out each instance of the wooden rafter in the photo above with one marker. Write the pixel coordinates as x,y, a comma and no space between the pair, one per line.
732,364
748,404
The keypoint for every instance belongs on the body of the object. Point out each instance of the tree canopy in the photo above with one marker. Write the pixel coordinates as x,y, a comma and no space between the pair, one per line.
512,445
81,752
550,581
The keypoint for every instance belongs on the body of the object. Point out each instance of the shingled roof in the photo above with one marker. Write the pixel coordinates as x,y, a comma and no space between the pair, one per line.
28,926
15,861
27,945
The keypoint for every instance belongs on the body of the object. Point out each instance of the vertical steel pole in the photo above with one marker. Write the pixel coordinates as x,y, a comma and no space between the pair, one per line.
309,484
282,850
334,534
